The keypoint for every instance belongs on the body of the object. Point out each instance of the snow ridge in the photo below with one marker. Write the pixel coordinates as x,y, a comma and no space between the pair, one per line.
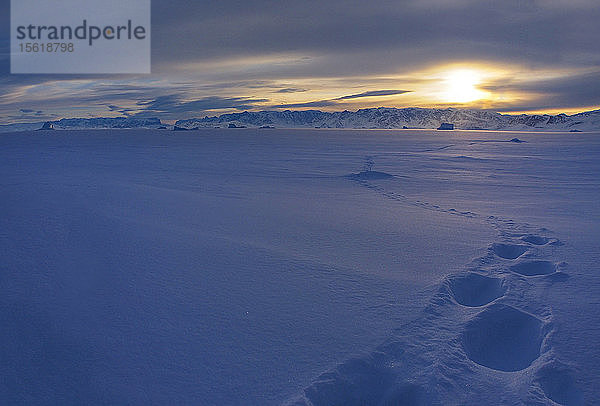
117,122
86,123
392,118
373,118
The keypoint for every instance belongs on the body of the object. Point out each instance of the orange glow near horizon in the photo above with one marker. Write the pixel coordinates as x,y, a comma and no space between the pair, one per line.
464,84
510,89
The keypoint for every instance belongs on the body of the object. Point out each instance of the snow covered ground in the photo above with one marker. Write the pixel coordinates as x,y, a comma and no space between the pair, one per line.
264,267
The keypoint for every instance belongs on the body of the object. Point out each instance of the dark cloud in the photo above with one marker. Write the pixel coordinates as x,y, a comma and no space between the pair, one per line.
397,33
407,32
336,102
173,104
334,39
30,112
28,115
122,110
312,104
557,93
374,93
290,90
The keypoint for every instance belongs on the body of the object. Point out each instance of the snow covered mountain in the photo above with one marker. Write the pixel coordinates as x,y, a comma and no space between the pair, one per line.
117,122
86,123
383,117
5,128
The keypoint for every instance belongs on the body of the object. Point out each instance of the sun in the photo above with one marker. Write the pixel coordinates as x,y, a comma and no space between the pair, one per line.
461,86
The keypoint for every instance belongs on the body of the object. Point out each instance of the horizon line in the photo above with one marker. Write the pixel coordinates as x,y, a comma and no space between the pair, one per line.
512,113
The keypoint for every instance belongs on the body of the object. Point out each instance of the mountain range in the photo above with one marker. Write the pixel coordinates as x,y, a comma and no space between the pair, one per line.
373,118
390,118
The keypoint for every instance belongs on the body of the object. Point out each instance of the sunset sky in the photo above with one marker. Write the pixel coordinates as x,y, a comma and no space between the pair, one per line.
212,57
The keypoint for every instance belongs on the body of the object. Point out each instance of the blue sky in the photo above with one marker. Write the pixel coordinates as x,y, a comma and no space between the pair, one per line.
212,57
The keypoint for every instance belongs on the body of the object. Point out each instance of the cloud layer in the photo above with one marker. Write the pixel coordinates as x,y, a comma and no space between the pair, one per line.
231,55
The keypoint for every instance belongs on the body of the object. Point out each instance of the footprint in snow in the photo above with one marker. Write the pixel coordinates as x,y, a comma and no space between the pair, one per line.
475,290
559,385
535,239
534,268
503,338
508,251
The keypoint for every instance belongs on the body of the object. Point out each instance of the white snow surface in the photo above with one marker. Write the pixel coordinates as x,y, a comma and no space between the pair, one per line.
304,267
